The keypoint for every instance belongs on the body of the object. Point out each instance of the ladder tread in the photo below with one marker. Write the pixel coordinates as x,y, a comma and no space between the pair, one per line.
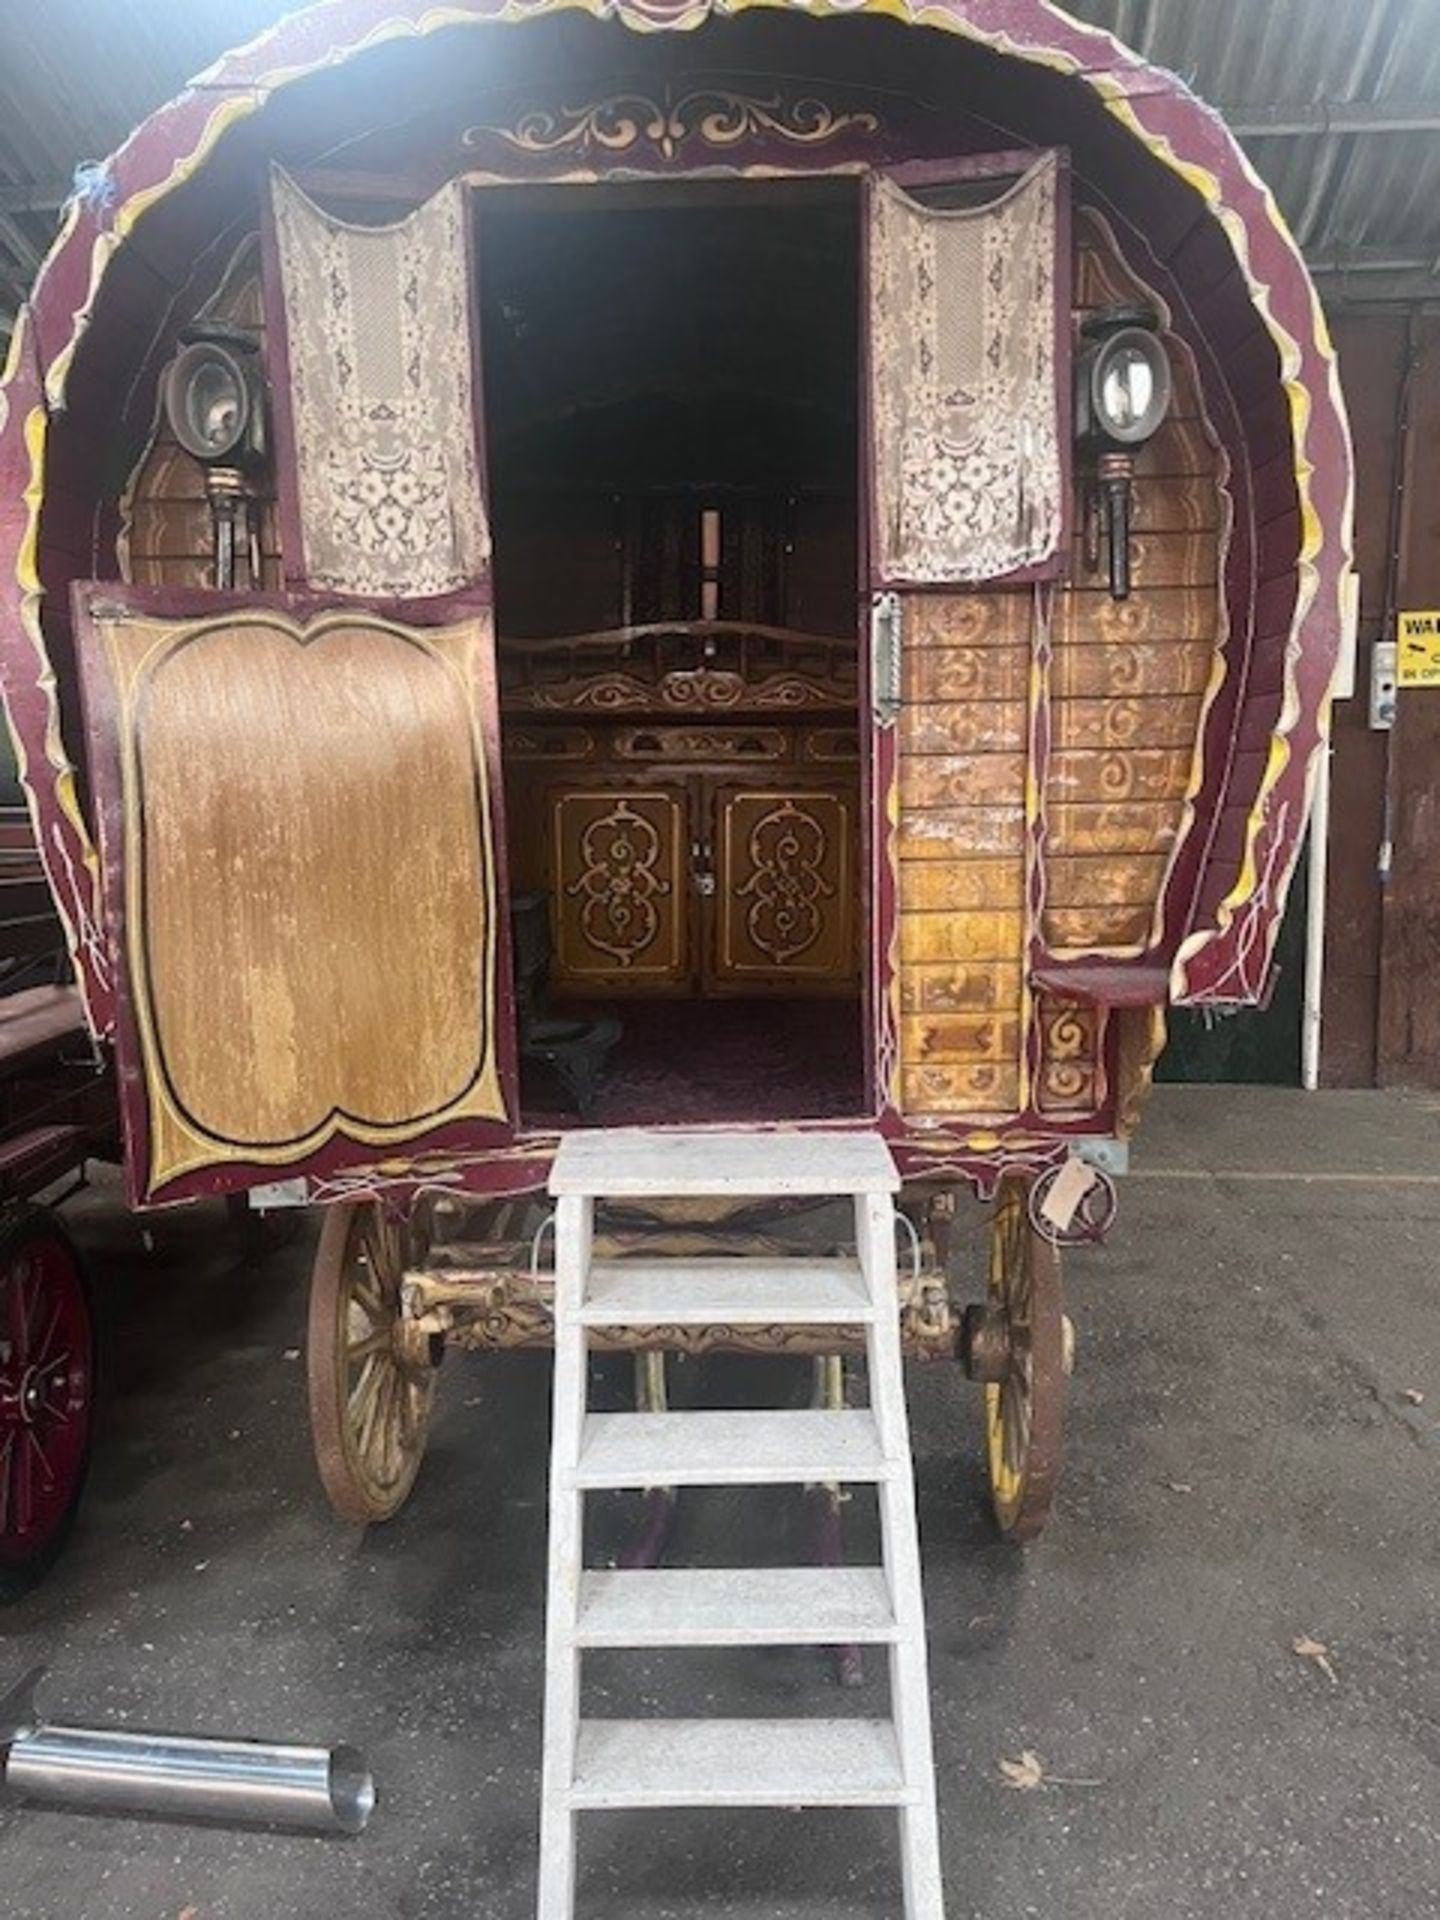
721,1449
738,1763
631,1162
718,1292
735,1606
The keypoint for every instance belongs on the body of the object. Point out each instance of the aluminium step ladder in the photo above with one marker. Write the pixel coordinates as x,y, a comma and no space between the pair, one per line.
602,1763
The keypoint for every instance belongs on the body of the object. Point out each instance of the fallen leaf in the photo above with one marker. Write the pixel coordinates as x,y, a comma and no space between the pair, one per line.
1026,1773
1316,1650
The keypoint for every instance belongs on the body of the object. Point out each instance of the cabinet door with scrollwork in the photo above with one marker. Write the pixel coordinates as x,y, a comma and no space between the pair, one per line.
618,888
784,909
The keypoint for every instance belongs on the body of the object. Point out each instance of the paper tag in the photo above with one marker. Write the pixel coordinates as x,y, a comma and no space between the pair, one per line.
1072,1183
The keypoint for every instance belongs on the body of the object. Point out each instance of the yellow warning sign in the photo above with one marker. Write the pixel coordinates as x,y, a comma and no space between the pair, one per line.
1418,654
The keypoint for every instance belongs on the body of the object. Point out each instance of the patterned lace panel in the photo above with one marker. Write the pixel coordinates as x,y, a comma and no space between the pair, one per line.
964,387
382,397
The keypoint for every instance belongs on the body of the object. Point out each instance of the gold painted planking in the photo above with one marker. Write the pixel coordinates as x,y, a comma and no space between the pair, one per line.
958,1037
984,1090
960,886
967,619
960,936
1145,720
1083,929
961,780
957,833
1104,880
974,726
960,675
1104,826
1162,615
1113,774
1144,669
979,987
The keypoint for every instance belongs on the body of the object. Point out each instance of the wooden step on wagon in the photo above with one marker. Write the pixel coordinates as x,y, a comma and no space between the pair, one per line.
785,576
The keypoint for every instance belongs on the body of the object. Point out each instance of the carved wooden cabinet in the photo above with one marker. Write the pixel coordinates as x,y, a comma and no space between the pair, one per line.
693,883
688,798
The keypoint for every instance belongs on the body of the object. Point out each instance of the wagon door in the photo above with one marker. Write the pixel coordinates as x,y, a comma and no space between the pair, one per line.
968,382
299,795
298,829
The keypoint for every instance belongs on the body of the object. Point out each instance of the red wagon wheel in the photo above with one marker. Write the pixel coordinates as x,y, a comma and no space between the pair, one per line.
47,1395
371,1386
1025,1384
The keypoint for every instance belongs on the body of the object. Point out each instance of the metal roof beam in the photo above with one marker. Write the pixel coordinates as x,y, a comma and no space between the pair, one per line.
1381,290
33,196
20,246
1288,121
1377,276
1369,260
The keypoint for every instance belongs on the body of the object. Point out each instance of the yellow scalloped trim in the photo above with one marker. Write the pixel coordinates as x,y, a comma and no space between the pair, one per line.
239,106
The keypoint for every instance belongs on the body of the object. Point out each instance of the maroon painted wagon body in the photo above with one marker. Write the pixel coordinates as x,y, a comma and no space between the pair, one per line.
682,658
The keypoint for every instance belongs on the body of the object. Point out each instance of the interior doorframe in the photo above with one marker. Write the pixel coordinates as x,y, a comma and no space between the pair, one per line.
869,927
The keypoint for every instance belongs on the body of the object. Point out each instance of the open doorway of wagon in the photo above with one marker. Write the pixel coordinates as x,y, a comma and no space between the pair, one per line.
1251,1046
670,376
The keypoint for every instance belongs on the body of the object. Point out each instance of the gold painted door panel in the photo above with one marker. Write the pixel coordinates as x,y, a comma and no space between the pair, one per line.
303,890
783,907
619,890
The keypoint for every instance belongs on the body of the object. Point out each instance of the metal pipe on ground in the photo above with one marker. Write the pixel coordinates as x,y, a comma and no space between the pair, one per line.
180,1776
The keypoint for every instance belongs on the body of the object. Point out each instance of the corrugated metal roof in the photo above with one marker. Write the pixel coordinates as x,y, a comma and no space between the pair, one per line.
1354,86
1338,102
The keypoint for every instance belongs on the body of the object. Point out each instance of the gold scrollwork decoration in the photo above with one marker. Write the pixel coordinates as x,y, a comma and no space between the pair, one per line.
683,690
714,116
1072,1078
618,884
786,884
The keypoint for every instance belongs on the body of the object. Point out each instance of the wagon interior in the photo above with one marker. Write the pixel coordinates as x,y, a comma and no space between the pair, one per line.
671,395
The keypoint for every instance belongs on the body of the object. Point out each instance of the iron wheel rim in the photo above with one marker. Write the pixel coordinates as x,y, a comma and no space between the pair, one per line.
369,1405
1024,1411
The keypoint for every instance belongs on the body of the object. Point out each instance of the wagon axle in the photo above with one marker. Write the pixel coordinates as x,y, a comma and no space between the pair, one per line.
388,1297
498,1304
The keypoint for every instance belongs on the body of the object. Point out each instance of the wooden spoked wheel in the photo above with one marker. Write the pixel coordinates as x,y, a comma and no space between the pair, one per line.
47,1395
1025,1406
370,1389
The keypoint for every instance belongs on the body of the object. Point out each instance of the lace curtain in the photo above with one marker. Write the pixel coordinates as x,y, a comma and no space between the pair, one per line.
377,323
966,408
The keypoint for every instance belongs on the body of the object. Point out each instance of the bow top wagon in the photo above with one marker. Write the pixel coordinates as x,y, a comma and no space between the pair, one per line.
626,563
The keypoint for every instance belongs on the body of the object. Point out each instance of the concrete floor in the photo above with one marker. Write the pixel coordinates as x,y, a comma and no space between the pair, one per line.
1245,1467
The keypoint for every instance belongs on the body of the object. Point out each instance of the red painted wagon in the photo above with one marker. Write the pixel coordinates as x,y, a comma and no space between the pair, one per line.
57,1111
659,563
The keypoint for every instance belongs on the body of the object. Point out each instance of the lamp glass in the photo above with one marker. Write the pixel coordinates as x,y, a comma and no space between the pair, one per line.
1127,389
208,401
1130,387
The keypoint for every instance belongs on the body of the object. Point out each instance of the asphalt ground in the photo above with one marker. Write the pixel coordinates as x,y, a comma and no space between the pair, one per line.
1253,1460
